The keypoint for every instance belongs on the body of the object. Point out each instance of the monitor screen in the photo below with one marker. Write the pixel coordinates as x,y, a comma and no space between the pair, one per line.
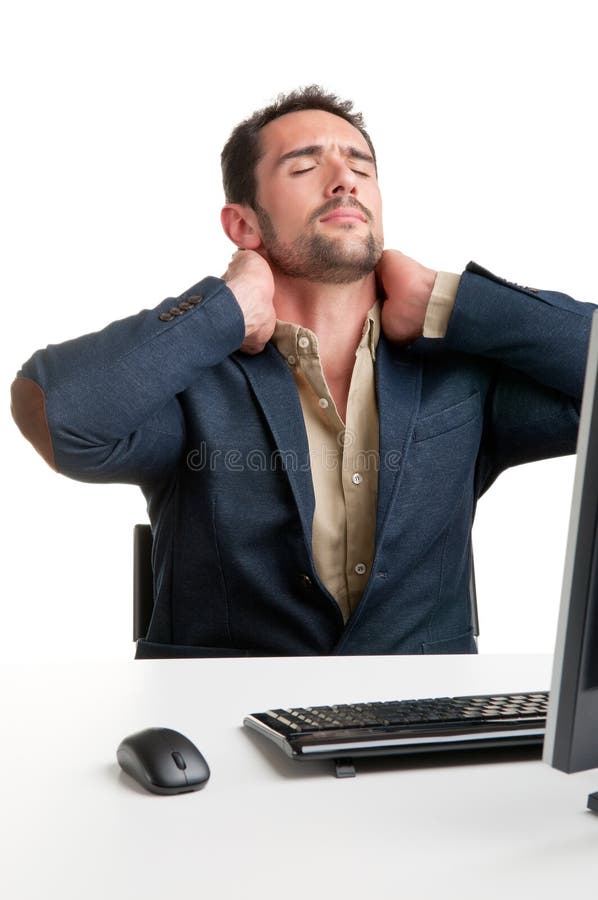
571,742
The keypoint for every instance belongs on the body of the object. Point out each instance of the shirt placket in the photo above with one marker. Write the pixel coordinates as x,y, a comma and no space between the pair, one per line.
360,476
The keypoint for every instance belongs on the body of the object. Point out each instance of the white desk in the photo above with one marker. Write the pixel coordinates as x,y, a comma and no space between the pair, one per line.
74,826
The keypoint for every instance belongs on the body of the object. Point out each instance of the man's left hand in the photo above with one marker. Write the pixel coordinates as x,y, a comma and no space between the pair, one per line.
408,287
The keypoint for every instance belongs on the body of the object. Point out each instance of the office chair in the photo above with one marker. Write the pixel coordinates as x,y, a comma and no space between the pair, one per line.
143,584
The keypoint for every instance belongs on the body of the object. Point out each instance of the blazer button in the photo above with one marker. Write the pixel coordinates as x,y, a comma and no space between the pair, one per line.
305,580
185,305
194,299
175,311
165,317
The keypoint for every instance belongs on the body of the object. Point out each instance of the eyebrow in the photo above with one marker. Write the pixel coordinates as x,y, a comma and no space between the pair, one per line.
314,149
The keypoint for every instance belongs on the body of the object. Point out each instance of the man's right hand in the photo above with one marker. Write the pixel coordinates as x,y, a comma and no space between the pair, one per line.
250,279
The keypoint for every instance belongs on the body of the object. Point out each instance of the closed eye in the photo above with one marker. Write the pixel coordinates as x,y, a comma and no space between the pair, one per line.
303,171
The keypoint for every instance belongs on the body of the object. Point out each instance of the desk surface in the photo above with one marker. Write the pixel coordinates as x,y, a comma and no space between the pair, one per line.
74,826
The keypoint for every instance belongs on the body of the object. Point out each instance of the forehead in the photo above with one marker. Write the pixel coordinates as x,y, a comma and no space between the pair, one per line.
307,127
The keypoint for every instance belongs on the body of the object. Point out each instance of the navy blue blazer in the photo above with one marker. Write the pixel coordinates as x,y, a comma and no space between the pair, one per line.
216,440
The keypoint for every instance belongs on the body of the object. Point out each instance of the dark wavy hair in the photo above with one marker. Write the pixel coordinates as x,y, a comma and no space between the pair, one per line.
242,151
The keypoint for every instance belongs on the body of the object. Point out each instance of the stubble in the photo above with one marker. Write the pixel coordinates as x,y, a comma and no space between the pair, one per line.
316,257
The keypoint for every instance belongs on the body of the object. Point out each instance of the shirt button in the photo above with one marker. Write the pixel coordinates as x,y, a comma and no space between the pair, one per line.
323,402
360,568
357,478
303,342
291,360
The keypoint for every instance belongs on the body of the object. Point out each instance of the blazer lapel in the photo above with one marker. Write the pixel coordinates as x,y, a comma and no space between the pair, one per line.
276,393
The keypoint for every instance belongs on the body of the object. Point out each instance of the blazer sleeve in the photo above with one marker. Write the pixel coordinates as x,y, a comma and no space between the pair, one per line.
104,407
535,343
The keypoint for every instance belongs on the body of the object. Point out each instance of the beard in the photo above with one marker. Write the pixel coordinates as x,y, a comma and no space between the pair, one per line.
315,257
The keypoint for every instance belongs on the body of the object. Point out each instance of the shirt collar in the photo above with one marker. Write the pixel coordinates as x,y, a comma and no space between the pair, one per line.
290,339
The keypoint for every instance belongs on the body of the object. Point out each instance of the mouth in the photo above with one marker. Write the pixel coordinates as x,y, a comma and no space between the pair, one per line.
344,214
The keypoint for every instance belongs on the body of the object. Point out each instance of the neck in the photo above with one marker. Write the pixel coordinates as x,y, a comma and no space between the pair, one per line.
334,312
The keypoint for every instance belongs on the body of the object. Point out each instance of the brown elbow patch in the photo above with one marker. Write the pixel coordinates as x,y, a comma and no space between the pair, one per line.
28,407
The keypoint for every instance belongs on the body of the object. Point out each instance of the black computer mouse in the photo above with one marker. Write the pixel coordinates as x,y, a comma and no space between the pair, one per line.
163,761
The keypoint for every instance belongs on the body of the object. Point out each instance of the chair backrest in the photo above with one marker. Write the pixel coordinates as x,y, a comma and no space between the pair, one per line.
143,580
143,584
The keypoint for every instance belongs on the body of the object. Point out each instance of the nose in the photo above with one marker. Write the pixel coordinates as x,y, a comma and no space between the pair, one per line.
341,180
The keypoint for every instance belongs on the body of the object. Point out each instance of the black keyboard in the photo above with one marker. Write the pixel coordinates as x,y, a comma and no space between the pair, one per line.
405,726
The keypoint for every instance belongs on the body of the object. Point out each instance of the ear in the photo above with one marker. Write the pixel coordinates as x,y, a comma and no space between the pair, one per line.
240,225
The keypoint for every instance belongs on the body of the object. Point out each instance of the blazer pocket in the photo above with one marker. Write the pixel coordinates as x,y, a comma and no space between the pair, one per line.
448,419
462,643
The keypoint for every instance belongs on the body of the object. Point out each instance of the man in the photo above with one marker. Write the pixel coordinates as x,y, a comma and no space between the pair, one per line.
311,455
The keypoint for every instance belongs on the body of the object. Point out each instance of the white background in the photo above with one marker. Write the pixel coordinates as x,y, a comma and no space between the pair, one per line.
114,116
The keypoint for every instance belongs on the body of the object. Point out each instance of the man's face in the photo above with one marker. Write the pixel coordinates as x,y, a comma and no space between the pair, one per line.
318,203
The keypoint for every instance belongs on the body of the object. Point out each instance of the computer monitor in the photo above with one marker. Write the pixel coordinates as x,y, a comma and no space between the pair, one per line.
571,741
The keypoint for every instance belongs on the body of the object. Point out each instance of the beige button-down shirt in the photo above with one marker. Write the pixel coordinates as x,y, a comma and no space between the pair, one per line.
344,456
